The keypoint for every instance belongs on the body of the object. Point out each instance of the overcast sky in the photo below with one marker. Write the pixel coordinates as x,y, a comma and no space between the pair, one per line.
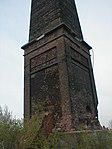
96,22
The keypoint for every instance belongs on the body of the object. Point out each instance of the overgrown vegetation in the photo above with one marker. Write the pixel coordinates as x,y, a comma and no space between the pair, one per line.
15,135
9,130
87,140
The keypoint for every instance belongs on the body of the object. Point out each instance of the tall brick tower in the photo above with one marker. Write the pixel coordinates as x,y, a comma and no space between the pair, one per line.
57,67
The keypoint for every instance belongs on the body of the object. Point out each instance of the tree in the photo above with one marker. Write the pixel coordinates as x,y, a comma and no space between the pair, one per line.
9,130
15,135
31,134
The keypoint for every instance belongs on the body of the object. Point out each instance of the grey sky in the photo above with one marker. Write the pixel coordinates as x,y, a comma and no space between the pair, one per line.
96,23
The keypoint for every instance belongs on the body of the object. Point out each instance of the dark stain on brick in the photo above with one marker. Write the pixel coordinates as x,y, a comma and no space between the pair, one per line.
45,88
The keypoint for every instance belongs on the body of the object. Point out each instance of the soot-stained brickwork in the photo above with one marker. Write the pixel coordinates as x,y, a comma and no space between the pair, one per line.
48,14
45,88
57,68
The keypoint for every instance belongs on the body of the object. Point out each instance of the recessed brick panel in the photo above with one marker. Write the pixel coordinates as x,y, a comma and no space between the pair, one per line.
81,93
45,89
43,58
79,57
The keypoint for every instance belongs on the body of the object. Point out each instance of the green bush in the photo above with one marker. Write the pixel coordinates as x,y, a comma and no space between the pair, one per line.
15,135
86,140
9,130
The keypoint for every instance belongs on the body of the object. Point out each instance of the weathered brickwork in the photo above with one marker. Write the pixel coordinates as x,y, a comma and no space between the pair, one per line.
48,14
45,89
81,90
79,58
45,14
42,60
69,16
58,70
